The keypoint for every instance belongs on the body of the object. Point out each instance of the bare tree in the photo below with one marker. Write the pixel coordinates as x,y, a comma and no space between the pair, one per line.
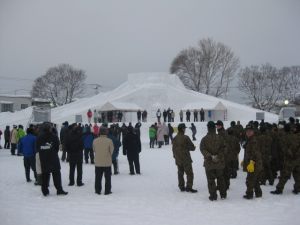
291,75
60,84
208,68
263,86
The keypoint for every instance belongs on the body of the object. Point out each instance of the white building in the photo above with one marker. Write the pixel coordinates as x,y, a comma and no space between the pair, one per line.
12,103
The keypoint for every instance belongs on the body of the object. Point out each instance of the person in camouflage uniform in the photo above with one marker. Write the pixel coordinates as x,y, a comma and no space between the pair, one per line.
222,133
276,151
265,143
233,153
252,164
182,145
291,165
212,148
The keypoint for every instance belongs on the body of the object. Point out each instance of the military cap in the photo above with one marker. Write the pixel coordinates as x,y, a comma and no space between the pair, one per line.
219,123
249,127
211,124
181,126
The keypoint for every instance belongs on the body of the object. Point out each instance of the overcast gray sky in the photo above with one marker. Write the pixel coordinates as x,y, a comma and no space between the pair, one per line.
109,39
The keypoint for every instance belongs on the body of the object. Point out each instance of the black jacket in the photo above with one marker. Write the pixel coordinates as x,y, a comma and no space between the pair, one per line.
131,145
7,134
74,145
47,145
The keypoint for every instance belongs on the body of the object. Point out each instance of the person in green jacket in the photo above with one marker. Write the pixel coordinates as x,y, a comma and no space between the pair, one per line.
252,164
21,133
182,145
152,135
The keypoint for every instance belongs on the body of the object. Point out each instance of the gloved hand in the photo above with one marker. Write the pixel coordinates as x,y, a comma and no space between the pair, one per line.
215,158
250,167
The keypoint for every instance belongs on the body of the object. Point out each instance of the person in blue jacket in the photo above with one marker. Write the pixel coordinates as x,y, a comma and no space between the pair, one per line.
27,148
117,145
88,139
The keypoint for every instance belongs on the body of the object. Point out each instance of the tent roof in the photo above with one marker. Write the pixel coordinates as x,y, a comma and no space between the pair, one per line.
119,106
199,105
220,106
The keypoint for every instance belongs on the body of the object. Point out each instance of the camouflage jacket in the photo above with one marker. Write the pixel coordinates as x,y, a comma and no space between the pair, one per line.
253,152
291,148
265,144
213,145
182,145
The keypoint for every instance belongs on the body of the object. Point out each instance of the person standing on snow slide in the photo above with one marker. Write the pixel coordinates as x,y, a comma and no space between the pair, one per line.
89,115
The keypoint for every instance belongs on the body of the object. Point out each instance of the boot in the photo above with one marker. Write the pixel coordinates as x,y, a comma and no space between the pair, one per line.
276,192
295,191
80,184
62,192
213,197
191,190
45,192
223,196
248,196
182,189
38,180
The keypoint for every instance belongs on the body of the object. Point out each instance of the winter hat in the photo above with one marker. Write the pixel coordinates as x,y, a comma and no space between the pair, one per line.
103,130
211,124
181,126
219,123
249,127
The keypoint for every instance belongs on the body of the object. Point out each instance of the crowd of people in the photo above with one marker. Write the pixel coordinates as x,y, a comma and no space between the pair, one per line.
271,151
169,115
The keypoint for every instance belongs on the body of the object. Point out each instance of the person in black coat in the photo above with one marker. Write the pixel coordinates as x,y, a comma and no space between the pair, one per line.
165,114
194,131
62,136
139,115
47,147
74,146
188,115
7,138
132,148
137,129
202,114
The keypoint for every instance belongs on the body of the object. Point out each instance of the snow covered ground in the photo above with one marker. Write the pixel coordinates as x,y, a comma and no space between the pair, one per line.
150,198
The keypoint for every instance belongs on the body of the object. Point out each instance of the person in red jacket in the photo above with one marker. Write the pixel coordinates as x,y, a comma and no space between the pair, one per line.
96,130
89,115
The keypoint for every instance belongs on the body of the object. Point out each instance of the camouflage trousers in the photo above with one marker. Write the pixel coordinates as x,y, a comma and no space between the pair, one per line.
253,184
213,176
188,170
266,173
286,173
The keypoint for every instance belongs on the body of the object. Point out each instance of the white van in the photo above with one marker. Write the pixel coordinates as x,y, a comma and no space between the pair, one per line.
286,112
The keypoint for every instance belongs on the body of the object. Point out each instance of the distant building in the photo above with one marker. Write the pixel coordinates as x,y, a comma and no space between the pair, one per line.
12,103
41,102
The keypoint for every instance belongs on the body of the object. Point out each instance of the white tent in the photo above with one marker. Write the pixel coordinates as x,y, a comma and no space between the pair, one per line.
119,106
112,108
212,110
146,91
219,112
